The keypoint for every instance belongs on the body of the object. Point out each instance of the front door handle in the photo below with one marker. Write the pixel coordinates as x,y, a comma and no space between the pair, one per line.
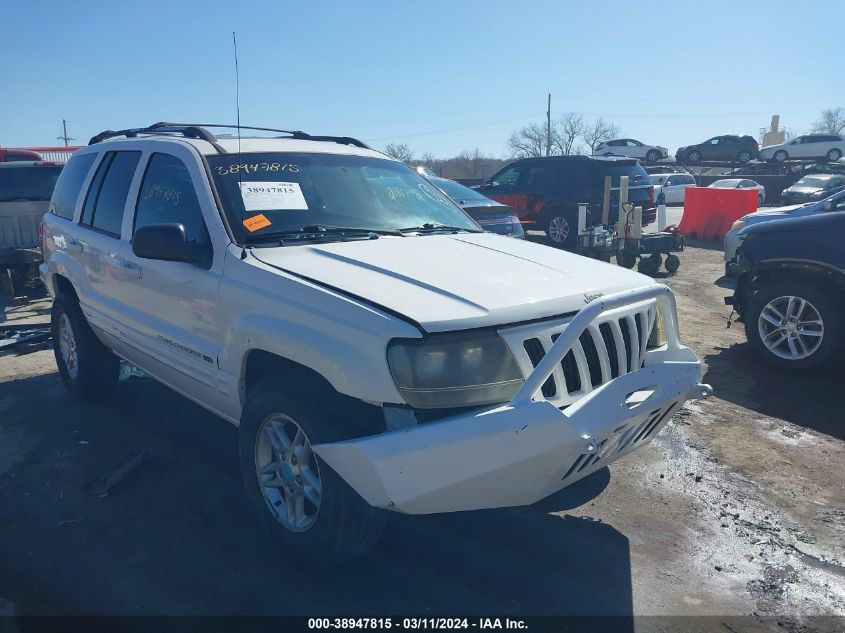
130,269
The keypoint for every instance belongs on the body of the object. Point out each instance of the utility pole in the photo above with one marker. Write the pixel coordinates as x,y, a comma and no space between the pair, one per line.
549,126
64,137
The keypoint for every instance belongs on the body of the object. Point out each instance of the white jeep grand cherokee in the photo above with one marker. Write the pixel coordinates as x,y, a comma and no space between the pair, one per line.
376,349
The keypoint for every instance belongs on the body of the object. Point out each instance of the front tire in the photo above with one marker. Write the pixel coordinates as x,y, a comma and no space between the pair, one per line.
795,326
88,369
834,155
694,156
652,156
744,156
780,156
304,505
560,229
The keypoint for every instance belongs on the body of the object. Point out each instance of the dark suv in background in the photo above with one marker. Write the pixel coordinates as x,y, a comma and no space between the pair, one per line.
729,147
545,192
790,290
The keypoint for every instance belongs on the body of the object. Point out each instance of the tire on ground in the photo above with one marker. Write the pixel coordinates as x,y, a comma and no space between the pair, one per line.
829,310
345,525
561,227
97,369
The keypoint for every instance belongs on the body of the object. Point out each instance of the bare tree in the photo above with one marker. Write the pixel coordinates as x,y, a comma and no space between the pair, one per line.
530,141
399,151
600,130
567,130
831,121
474,163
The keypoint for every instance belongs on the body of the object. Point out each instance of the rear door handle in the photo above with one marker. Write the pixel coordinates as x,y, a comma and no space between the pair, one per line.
74,245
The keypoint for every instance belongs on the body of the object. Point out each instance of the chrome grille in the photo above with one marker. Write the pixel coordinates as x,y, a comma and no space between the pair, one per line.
610,347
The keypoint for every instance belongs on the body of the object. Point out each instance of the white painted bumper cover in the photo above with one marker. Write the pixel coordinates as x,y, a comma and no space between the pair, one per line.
521,452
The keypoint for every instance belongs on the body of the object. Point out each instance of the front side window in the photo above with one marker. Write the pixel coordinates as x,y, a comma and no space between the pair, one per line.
107,196
506,178
281,193
69,185
167,196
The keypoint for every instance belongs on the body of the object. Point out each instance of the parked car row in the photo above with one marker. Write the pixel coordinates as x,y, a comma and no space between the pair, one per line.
732,148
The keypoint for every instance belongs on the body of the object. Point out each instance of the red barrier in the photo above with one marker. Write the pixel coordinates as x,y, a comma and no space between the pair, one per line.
710,212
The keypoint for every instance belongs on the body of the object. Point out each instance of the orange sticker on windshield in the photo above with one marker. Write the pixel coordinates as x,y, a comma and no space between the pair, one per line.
256,222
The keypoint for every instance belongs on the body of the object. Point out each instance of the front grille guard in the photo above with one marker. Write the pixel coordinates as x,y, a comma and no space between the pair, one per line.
582,321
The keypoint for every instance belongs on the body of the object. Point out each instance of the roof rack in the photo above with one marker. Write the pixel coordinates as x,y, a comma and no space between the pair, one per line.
197,130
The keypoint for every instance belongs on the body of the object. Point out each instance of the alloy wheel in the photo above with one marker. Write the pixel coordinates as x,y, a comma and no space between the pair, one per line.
790,327
288,473
67,347
558,229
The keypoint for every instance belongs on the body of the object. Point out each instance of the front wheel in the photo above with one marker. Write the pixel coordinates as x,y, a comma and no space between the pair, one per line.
780,156
306,507
694,156
652,156
560,230
834,155
744,156
794,325
88,370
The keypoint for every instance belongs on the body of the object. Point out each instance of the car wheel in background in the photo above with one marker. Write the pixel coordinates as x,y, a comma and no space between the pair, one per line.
673,263
625,260
560,229
693,156
794,325
744,156
307,508
780,156
834,155
652,156
88,370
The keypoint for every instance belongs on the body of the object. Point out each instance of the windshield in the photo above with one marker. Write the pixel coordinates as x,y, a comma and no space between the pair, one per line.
459,192
659,179
812,181
277,193
28,184
725,184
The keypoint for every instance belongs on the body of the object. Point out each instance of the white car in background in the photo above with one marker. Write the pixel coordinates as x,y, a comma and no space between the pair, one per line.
673,187
830,147
630,148
742,183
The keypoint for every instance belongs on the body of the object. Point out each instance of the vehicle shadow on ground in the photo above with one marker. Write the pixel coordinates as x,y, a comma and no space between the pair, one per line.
737,375
177,536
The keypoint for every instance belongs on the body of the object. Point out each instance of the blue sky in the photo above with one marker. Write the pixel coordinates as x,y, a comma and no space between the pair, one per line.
442,76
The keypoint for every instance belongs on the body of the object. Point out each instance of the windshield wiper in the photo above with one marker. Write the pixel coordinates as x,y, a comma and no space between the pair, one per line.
320,233
430,227
324,228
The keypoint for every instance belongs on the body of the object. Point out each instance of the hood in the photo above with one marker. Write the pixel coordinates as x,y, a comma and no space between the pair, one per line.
770,214
803,191
457,282
819,222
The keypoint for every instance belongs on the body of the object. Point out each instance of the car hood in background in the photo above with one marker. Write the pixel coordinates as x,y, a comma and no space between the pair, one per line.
459,281
817,222
802,191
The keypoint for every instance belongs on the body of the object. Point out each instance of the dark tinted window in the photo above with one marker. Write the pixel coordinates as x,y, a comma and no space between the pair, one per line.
111,198
458,192
508,176
28,184
11,157
167,195
70,184
94,189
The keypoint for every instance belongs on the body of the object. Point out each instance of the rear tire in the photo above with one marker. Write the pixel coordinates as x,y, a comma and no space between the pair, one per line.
652,156
88,369
769,327
672,263
560,229
694,156
744,156
780,156
834,155
336,524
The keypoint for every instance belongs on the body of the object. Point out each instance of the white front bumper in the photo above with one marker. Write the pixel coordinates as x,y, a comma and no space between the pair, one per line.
519,453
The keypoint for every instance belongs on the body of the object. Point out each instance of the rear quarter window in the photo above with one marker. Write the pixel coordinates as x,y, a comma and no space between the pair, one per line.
69,185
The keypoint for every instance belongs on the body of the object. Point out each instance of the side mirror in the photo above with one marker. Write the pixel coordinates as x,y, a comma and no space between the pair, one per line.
828,206
167,242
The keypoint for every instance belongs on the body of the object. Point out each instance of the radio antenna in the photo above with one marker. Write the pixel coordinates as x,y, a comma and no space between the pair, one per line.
238,117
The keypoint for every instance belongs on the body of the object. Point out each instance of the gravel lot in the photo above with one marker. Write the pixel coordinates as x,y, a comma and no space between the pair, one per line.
737,508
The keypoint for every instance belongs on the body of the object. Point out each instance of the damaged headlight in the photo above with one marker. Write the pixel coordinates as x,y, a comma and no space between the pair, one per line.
451,370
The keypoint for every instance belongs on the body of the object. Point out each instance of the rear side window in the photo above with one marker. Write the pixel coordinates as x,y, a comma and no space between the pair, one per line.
69,185
168,196
28,184
107,195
